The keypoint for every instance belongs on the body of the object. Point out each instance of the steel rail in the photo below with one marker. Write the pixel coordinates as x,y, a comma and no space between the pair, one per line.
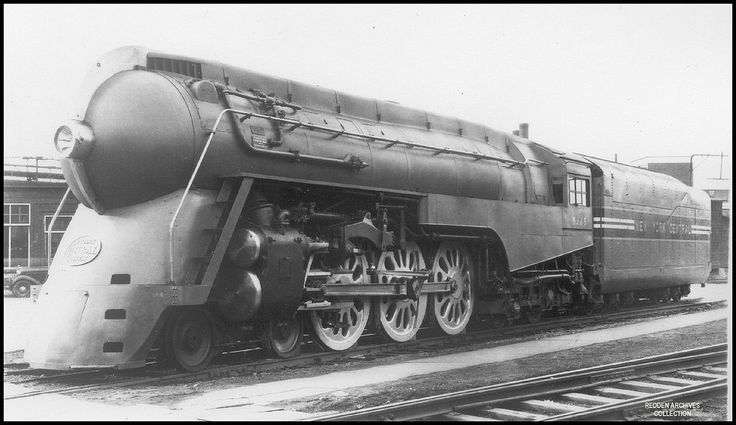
476,335
464,401
323,357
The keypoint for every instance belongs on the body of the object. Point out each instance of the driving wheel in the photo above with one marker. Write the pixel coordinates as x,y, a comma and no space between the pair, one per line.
340,329
400,319
452,311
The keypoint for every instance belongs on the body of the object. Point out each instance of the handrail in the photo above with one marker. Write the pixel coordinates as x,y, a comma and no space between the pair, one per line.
297,124
186,191
51,226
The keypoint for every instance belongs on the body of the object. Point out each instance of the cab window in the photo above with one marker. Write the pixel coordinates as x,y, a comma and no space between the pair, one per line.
579,194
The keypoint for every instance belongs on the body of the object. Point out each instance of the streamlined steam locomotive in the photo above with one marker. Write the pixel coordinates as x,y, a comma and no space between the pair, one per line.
220,203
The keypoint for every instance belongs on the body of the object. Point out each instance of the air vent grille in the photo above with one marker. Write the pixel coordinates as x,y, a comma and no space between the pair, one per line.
191,69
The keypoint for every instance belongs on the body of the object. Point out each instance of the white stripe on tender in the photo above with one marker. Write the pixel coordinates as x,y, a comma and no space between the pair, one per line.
700,232
613,220
696,227
618,220
613,226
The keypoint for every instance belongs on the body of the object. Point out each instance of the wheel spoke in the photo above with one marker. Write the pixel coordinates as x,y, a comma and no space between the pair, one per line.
445,305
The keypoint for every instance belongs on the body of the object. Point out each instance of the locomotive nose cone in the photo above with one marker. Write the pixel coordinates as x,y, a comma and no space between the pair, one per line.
143,140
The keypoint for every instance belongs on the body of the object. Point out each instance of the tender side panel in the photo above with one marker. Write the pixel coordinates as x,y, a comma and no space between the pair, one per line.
650,231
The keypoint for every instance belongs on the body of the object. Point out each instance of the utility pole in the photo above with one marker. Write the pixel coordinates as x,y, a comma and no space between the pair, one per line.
704,155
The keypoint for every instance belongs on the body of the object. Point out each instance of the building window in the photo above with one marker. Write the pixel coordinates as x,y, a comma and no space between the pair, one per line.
578,192
16,234
60,225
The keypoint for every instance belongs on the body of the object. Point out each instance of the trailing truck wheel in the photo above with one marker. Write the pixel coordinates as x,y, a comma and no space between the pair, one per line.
340,330
22,289
400,319
283,337
452,311
190,339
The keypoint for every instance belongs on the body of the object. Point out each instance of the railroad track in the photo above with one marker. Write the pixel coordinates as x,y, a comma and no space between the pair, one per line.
609,392
153,374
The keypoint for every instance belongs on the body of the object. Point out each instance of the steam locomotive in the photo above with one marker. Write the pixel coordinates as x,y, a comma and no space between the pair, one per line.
219,203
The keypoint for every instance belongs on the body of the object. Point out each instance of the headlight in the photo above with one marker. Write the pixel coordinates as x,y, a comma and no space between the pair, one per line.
74,140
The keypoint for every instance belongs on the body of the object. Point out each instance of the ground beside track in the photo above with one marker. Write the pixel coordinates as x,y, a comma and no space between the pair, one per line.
516,369
191,400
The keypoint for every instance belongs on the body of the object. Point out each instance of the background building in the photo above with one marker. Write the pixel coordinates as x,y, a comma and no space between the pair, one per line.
33,188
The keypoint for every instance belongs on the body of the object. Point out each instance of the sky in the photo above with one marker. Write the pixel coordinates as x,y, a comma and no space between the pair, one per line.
612,81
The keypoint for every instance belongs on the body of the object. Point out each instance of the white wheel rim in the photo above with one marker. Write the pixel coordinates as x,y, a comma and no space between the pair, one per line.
401,319
453,310
340,330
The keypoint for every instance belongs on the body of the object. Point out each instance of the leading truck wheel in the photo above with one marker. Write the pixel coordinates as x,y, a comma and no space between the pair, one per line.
22,289
283,337
190,340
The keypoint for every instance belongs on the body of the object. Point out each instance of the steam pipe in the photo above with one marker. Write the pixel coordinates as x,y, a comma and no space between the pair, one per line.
535,279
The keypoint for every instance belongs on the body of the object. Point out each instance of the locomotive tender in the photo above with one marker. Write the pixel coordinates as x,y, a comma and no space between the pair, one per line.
219,203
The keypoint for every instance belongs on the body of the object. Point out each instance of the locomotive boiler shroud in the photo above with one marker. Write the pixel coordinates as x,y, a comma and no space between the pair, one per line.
171,105
142,124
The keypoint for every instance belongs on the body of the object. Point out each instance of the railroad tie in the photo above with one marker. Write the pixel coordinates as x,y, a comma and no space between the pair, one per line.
510,415
676,381
700,374
620,392
549,405
651,387
592,399
460,417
